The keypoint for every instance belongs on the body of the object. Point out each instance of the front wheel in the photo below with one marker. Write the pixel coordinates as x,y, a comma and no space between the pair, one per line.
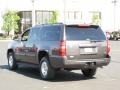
12,61
89,72
46,71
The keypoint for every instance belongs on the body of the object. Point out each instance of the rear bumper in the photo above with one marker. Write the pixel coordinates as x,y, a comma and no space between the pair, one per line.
62,62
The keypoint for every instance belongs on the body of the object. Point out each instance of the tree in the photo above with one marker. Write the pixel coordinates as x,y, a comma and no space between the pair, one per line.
53,18
10,21
96,18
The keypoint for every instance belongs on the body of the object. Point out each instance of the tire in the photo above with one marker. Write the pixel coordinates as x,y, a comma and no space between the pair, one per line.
46,71
89,72
12,61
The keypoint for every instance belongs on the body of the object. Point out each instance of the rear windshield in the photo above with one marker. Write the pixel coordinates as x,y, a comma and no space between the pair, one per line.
77,33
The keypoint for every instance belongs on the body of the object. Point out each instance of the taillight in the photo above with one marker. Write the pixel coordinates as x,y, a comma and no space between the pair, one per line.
108,47
62,49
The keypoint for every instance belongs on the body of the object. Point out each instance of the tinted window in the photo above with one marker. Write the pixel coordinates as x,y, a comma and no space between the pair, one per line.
77,33
34,36
50,33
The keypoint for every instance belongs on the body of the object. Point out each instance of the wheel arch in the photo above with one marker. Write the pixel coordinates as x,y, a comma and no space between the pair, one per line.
9,50
41,54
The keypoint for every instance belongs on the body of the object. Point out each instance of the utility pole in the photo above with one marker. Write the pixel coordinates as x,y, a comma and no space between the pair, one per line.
64,2
33,12
114,12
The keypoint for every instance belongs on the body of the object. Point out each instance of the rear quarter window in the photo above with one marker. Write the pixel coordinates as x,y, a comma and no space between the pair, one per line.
51,33
77,33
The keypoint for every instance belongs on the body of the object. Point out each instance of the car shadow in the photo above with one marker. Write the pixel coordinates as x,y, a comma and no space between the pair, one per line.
61,76
64,75
4,67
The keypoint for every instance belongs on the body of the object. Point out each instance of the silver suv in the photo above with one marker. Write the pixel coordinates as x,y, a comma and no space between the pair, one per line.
53,47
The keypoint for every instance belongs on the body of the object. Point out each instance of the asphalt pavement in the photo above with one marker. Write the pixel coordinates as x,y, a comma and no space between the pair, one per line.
26,78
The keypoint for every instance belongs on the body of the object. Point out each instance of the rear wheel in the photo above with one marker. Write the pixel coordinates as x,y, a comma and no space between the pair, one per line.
89,72
12,61
46,71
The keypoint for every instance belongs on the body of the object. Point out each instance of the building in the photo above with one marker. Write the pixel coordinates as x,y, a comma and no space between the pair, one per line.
100,12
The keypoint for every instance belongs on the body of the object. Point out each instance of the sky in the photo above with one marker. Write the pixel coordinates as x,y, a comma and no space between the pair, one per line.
10,3
21,4
58,4
80,5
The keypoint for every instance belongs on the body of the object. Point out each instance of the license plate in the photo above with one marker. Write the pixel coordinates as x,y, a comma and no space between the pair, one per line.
88,50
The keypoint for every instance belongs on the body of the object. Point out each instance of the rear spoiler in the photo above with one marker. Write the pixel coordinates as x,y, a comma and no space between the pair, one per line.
83,26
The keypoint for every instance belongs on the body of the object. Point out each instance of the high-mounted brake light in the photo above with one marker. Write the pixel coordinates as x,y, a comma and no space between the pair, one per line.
84,25
62,49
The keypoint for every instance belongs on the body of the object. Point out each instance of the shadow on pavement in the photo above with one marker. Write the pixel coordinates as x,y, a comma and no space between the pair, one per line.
3,66
61,76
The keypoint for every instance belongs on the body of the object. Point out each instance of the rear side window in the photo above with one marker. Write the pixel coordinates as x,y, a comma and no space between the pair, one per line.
34,35
50,33
78,33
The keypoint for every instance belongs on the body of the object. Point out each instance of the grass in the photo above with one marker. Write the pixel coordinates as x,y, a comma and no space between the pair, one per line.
5,37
